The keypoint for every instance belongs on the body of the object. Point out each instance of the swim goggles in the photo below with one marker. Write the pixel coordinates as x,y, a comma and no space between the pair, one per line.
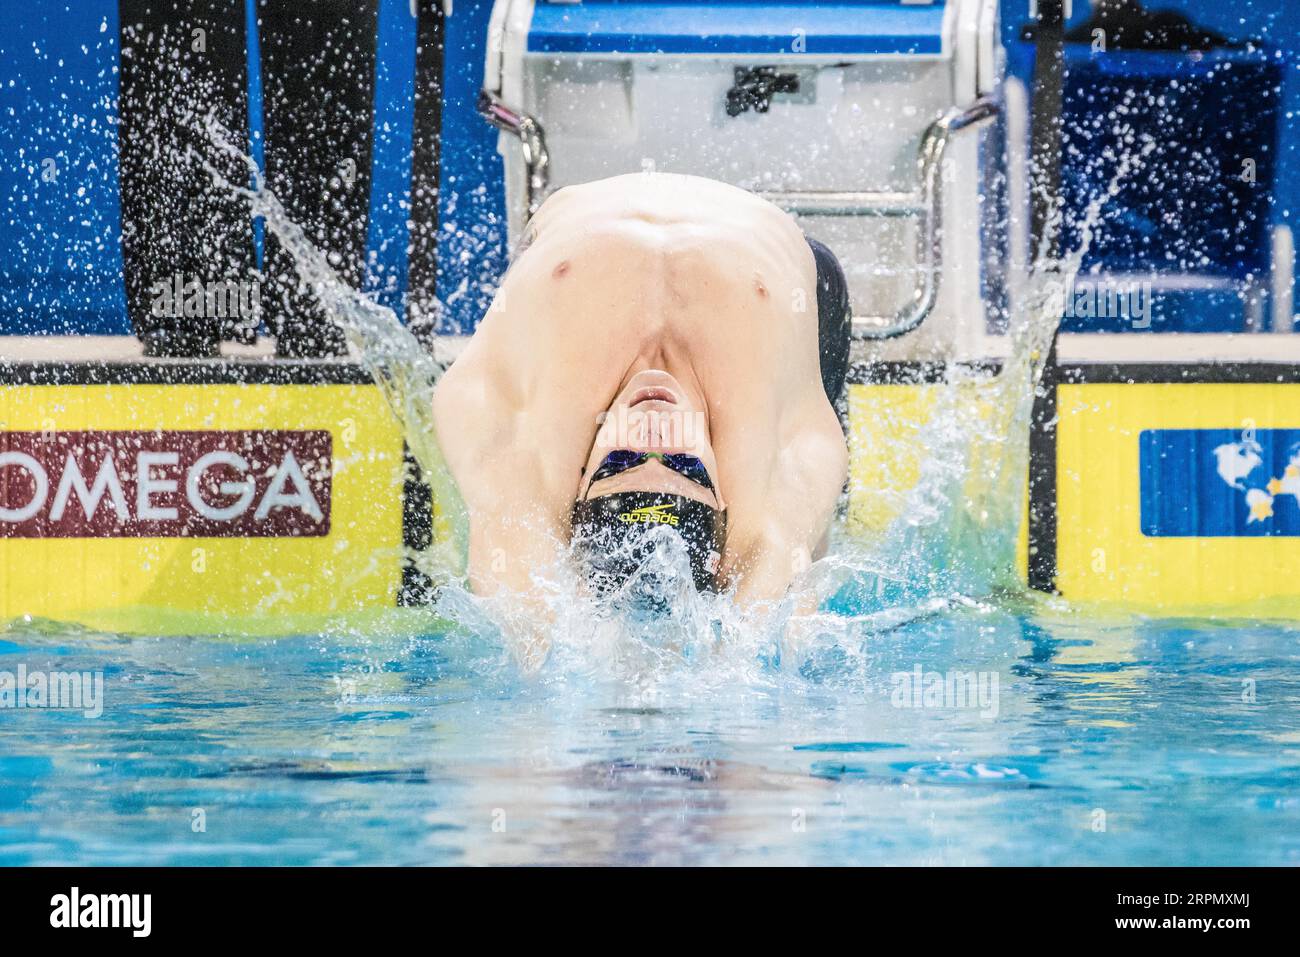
620,460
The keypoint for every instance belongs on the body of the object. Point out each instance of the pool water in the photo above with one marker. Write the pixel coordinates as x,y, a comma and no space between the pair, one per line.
1120,740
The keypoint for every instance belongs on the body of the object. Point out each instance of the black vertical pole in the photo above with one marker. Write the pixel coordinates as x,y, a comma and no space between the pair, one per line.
1046,131
426,168
318,83
1045,180
181,61
422,269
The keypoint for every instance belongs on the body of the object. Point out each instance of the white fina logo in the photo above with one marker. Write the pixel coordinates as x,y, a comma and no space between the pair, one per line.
1237,461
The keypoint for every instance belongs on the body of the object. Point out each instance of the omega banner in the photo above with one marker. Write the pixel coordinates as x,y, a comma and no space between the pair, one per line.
165,484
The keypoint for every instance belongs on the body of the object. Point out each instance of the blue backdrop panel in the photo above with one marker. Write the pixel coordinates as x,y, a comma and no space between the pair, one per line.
60,217
1202,482
629,26
1187,207
60,223
472,236
390,183
1191,213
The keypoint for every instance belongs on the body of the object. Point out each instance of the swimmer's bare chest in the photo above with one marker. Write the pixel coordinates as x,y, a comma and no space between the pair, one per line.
591,301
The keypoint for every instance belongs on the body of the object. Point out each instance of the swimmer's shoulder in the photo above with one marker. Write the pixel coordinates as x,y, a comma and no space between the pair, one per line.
663,198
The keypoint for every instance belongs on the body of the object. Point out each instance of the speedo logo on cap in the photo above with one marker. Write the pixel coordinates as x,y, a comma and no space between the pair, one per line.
650,515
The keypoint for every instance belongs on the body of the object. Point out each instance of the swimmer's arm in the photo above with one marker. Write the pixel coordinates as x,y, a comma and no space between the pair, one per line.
515,534
514,521
515,561
511,554
799,507
769,570
516,575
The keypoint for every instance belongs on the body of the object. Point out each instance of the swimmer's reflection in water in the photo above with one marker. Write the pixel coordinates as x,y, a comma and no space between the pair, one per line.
699,319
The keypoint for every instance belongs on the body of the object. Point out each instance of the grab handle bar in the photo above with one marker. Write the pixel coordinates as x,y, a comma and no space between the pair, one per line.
532,142
925,205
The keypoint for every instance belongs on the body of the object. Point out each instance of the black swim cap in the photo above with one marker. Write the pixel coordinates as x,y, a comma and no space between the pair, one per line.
611,535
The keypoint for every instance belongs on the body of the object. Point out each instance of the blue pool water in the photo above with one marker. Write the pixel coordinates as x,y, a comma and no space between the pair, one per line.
1114,741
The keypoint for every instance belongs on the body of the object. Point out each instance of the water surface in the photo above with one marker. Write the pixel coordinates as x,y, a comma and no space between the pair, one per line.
1124,741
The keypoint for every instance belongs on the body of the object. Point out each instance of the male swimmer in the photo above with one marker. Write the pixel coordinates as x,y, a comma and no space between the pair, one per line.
661,360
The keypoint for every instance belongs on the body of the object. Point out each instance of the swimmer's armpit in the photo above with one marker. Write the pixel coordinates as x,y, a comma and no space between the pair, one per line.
529,237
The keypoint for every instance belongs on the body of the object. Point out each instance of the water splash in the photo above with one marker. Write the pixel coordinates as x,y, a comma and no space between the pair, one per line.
952,542
404,371
956,529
